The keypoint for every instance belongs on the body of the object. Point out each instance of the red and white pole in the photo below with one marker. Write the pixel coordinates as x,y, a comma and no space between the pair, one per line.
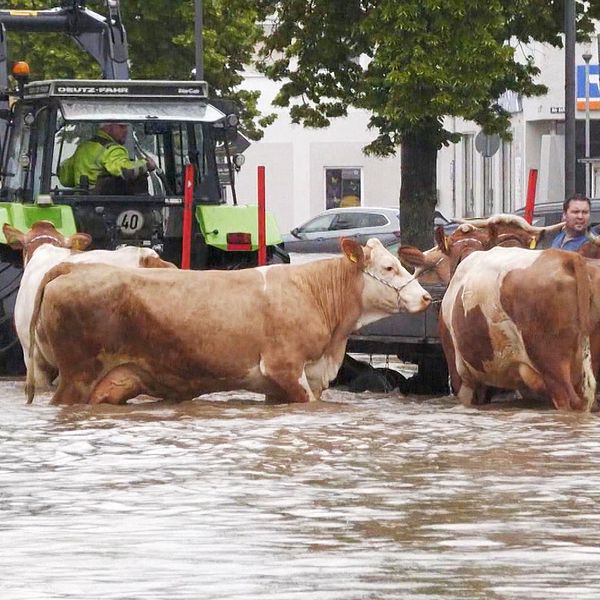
530,200
188,203
262,243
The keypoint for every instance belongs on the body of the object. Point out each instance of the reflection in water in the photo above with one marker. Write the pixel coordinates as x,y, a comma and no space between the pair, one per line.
361,496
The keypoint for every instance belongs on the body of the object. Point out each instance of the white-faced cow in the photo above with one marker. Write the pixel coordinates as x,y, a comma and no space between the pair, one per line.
279,330
520,319
44,247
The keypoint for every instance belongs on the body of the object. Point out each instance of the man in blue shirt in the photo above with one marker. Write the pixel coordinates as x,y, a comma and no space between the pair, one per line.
576,215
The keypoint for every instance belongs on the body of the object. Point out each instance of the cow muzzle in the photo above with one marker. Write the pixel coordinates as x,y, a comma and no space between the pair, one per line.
425,299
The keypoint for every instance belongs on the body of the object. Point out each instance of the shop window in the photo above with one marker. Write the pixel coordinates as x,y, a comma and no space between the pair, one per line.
343,188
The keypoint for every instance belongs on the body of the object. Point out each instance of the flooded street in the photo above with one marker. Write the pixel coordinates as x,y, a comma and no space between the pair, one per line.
360,496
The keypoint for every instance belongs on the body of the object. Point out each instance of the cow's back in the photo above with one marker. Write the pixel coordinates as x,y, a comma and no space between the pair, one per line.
520,318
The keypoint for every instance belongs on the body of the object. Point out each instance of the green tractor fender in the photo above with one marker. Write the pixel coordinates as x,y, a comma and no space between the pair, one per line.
216,221
23,216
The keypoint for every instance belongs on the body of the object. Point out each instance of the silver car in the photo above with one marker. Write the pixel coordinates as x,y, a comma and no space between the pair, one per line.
324,232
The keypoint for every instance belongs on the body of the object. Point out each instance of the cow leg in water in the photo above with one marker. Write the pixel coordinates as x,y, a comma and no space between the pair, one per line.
450,354
71,391
117,386
562,393
44,372
555,380
291,381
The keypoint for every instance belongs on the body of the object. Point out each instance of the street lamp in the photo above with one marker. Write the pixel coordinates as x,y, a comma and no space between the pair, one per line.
198,36
587,57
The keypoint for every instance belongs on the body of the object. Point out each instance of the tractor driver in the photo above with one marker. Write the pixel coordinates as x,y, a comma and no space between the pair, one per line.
105,162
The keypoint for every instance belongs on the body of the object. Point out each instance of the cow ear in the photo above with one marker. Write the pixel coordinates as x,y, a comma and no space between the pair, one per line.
353,251
441,239
411,256
78,241
14,237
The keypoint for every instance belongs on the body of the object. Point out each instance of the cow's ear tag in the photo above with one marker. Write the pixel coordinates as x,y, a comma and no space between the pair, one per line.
353,257
533,244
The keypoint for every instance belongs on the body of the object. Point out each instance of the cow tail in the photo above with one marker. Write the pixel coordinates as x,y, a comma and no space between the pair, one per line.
584,298
57,271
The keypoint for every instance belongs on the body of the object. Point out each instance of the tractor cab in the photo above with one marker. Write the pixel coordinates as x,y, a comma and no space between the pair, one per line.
173,124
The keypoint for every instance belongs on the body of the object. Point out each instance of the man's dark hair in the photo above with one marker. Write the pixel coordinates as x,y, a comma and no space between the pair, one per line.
576,197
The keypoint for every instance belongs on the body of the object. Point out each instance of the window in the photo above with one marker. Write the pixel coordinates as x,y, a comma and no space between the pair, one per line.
348,221
375,221
319,224
343,187
468,176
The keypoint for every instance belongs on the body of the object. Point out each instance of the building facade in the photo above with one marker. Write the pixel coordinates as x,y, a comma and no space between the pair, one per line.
309,170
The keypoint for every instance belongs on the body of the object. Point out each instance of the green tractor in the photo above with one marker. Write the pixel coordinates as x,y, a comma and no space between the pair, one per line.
173,122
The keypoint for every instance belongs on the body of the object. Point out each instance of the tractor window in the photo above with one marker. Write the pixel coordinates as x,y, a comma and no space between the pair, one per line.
68,136
38,145
171,145
17,158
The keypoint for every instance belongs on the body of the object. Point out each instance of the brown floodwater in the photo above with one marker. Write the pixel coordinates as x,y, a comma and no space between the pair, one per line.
360,496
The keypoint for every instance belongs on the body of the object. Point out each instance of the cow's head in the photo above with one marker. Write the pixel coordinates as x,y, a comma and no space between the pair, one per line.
437,264
42,232
512,230
388,286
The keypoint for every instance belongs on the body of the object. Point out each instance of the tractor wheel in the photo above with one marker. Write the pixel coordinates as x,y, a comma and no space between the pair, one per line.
433,375
11,355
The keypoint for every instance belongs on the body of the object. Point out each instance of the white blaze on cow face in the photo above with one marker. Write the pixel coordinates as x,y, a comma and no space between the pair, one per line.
388,286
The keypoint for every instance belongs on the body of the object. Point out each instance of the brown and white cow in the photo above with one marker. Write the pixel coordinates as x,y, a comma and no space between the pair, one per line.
44,247
279,330
520,319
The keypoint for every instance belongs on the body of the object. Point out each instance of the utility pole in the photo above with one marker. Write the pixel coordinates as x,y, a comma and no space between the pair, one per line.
588,184
570,159
198,27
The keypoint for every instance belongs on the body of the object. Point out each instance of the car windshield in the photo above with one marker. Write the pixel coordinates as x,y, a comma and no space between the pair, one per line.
321,223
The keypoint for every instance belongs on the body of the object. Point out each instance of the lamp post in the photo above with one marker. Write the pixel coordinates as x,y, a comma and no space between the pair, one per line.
198,27
570,160
587,57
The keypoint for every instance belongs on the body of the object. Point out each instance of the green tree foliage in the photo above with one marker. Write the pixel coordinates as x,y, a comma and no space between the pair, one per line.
422,60
161,46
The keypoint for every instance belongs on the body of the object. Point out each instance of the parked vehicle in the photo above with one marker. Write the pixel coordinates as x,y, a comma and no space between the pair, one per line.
324,232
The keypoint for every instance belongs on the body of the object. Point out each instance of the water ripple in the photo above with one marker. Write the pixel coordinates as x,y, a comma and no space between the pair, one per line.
362,496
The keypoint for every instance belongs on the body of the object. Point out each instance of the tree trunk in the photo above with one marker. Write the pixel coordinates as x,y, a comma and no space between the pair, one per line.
418,194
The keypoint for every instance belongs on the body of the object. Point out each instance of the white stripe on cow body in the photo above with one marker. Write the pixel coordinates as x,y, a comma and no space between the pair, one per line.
261,367
263,272
303,381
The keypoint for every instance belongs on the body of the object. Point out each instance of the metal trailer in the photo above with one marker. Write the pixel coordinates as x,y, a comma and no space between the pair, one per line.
413,338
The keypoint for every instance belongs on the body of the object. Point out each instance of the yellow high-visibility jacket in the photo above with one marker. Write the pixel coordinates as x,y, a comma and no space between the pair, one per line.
101,155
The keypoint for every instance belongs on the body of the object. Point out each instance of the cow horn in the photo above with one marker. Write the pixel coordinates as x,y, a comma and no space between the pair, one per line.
595,239
515,219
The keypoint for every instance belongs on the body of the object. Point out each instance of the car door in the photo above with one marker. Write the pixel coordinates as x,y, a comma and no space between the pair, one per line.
345,225
312,236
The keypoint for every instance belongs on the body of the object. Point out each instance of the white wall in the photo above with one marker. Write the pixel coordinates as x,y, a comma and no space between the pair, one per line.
295,157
